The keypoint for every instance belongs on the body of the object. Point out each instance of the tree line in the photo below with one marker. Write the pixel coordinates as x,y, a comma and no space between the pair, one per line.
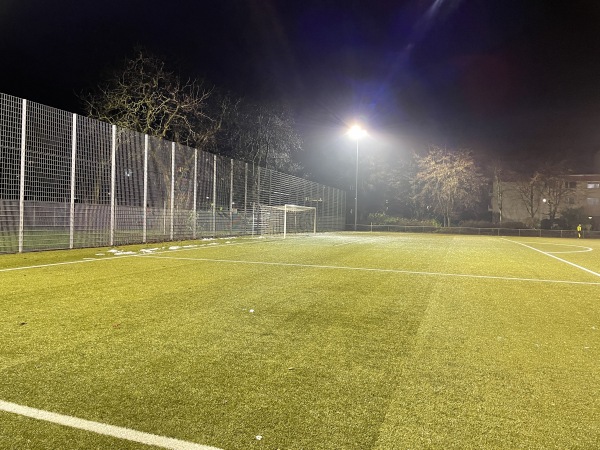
451,186
144,95
446,185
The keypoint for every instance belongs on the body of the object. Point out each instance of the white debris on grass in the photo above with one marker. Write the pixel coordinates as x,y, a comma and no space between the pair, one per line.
99,254
117,252
251,310
258,437
149,250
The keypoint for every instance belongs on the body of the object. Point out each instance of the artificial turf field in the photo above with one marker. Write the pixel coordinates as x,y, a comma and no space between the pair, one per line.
333,341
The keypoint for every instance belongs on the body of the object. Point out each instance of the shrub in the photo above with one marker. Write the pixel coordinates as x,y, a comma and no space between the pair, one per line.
383,219
478,224
512,225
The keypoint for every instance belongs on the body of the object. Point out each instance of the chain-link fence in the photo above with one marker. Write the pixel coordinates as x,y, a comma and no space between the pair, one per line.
68,181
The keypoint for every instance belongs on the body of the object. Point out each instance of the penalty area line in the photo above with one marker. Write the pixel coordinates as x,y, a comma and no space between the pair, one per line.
555,257
102,428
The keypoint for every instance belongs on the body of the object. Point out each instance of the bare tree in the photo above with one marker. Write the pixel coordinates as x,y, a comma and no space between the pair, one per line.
555,188
501,176
530,193
146,97
263,134
389,187
449,181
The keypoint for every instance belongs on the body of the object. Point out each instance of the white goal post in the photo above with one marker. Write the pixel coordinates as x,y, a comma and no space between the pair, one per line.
298,219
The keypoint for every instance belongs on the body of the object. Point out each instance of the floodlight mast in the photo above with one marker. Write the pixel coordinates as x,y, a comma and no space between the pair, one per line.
356,132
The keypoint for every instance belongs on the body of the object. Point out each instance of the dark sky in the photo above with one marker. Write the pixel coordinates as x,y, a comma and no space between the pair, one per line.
505,77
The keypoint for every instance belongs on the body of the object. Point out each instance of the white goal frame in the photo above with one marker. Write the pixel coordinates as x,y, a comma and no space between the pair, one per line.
298,208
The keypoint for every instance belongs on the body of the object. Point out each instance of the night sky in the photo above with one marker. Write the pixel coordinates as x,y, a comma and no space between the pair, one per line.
504,77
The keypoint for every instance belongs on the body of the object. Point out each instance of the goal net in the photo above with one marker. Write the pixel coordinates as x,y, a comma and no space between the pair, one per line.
293,219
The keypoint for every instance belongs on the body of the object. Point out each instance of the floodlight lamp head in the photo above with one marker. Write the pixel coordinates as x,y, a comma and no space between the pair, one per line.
356,132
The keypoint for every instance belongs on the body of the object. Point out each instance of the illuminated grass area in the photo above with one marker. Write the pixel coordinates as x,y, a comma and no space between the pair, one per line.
356,341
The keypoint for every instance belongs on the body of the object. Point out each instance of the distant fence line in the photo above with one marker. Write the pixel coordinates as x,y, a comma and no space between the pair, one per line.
525,232
68,181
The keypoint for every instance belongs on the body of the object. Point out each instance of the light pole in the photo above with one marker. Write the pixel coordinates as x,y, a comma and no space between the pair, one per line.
356,132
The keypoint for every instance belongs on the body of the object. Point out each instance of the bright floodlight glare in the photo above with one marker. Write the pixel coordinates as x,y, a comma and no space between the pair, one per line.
356,132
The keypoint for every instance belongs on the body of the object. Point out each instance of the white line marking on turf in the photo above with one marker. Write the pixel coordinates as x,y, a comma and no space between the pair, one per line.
108,258
102,428
366,269
555,257
585,249
41,266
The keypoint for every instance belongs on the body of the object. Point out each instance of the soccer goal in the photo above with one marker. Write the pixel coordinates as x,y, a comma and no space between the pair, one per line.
295,219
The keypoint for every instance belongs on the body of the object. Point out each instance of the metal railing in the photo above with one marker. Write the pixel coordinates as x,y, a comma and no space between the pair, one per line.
476,231
68,181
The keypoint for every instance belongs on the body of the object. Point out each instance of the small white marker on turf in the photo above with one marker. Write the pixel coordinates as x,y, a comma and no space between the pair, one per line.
251,310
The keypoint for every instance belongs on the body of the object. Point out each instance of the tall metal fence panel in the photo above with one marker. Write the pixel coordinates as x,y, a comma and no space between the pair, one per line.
68,181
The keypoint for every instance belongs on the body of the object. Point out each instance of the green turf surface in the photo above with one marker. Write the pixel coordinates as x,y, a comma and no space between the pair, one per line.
357,341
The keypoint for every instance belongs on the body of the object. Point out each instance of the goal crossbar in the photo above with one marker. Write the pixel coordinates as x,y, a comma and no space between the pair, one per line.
309,211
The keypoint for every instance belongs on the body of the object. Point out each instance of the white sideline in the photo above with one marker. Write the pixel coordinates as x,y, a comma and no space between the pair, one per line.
555,257
367,269
102,428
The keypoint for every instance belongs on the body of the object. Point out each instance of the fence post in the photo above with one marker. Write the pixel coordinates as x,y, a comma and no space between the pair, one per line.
284,220
22,177
257,201
145,220
214,201
231,199
172,189
245,196
270,187
194,207
113,173
73,156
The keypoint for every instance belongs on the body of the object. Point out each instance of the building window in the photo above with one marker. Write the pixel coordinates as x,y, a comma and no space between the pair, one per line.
593,185
570,200
571,184
593,201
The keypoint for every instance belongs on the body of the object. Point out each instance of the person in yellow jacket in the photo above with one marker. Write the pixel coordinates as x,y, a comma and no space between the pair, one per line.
579,231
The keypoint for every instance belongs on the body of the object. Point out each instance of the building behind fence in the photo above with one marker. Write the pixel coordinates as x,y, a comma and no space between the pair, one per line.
68,181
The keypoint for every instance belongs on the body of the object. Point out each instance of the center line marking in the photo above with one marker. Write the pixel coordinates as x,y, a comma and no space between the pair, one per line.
366,269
